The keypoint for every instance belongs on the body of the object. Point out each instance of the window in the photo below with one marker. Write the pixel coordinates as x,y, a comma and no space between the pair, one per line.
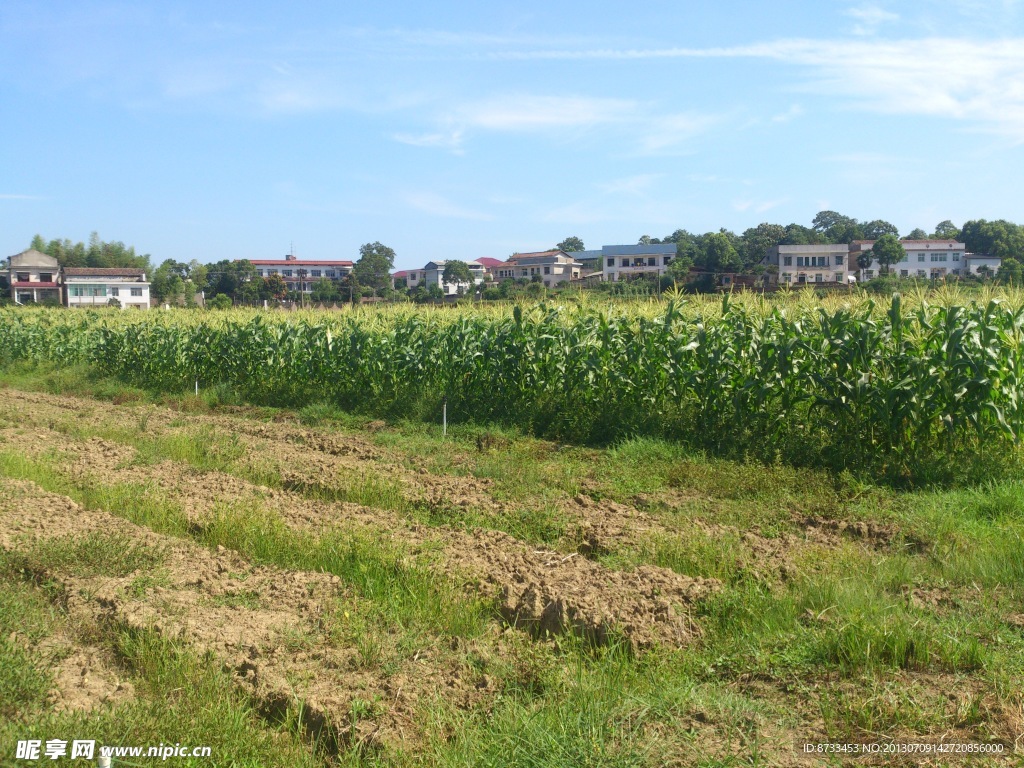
271,272
330,273
840,258
667,260
921,273
22,277
920,257
286,272
314,273
787,261
956,257
114,291
652,262
903,273
136,291
46,277
611,262
625,262
547,271
817,277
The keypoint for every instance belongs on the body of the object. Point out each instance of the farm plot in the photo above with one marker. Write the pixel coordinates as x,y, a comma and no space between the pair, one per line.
632,606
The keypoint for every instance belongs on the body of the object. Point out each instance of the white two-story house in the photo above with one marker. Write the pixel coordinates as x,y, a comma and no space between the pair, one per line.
932,259
100,286
803,264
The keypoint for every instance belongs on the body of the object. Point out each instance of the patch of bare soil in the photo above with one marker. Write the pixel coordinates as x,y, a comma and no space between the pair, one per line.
263,624
551,592
84,677
874,534
535,589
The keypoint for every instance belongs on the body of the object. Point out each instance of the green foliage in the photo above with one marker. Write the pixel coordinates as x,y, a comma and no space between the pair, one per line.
456,272
220,301
571,245
374,266
888,250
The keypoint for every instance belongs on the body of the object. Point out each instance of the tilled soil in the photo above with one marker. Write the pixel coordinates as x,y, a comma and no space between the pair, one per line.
542,591
274,644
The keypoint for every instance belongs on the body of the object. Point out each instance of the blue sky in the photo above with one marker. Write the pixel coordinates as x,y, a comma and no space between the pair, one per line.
460,130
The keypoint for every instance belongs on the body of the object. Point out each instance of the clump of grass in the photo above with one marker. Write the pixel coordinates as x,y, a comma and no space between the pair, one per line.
403,591
95,554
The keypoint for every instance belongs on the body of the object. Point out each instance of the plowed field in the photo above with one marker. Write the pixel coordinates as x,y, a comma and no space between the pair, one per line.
398,597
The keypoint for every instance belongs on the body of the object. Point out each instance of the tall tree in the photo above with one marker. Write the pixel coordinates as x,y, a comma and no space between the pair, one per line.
456,273
571,245
873,230
757,240
718,253
946,230
836,228
917,234
373,269
888,250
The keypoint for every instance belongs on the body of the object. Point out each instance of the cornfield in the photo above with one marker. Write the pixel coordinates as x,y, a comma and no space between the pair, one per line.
919,389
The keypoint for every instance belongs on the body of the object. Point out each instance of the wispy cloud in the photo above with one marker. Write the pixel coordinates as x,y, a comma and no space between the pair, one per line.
869,18
630,185
20,197
758,206
792,113
672,132
450,140
975,81
530,112
437,205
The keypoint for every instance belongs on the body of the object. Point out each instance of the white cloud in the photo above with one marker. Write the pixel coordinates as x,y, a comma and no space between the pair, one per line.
980,82
437,205
758,206
869,18
790,114
450,140
631,185
527,112
670,131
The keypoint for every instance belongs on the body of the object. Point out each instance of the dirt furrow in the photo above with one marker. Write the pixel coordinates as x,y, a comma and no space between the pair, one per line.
539,590
265,625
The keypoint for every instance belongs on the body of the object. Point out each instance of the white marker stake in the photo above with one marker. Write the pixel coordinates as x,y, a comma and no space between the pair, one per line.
197,387
444,419
104,761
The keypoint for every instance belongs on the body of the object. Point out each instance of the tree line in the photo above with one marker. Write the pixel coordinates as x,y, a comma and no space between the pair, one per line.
722,251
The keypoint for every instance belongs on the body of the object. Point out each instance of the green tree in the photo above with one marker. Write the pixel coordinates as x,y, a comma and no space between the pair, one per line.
836,228
873,230
718,253
325,290
1010,272
571,245
888,250
456,272
917,234
220,301
946,230
373,269
864,259
758,240
274,287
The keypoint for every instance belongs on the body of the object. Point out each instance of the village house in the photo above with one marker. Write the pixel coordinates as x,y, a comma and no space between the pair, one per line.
301,275
33,278
932,259
802,264
432,274
551,268
623,262
100,286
